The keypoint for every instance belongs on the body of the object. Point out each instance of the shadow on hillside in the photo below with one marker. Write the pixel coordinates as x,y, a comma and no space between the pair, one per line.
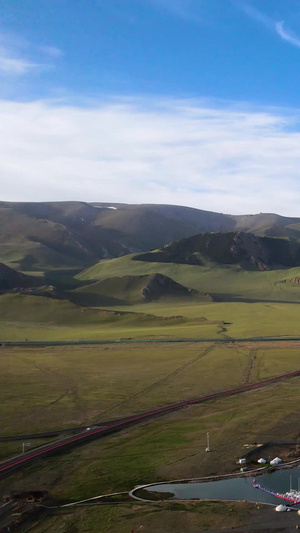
86,299
64,279
223,297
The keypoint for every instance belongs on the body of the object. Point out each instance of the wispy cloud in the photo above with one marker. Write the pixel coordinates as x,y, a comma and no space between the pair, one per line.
18,57
184,9
51,51
13,65
152,151
270,23
255,14
287,35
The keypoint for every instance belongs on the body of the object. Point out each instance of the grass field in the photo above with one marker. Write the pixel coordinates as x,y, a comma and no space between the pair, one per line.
167,448
38,318
60,387
47,388
236,319
44,388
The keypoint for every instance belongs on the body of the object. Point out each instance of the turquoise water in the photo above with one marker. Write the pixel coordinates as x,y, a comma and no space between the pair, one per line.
240,488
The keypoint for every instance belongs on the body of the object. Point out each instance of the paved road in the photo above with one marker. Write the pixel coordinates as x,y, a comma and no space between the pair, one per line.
9,465
134,341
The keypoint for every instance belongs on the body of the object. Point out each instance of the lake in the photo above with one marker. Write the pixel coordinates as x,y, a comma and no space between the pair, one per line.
239,488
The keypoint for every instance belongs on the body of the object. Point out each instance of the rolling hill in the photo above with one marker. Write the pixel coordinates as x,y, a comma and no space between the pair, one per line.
128,289
248,251
48,236
209,258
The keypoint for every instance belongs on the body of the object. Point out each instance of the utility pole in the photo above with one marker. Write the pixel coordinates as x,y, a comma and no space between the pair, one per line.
24,444
207,447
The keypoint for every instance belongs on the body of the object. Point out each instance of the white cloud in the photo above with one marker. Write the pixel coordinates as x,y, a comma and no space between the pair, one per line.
51,51
18,57
269,23
255,14
176,152
287,35
13,65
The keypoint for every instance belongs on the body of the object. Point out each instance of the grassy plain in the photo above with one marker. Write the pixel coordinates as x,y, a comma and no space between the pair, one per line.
52,387
168,448
62,386
38,318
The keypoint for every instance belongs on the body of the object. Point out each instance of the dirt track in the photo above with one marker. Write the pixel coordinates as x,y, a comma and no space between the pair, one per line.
264,344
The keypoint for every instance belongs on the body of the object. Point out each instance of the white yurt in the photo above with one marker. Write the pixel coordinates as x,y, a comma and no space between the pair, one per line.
262,461
275,461
280,508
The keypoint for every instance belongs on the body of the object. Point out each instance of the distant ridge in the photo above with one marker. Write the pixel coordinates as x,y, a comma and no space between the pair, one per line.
76,235
233,248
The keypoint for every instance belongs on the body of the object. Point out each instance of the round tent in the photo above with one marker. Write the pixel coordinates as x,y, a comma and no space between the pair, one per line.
280,508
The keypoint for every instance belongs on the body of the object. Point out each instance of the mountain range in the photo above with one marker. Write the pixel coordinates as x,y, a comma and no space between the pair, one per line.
110,255
52,235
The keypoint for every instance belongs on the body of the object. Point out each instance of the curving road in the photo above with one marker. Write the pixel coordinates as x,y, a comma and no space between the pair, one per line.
9,465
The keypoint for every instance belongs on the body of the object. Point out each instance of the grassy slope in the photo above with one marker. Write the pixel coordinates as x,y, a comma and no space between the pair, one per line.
38,318
228,283
241,319
127,290
274,306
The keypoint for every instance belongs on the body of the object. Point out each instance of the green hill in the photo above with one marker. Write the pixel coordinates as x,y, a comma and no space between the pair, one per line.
248,251
75,235
126,290
222,281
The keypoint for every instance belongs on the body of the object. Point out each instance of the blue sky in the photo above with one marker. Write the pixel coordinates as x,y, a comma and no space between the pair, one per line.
224,73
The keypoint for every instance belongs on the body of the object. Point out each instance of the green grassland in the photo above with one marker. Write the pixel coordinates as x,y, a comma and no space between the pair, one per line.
25,317
39,318
236,319
171,447
58,387
108,304
127,290
250,303
169,517
229,282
